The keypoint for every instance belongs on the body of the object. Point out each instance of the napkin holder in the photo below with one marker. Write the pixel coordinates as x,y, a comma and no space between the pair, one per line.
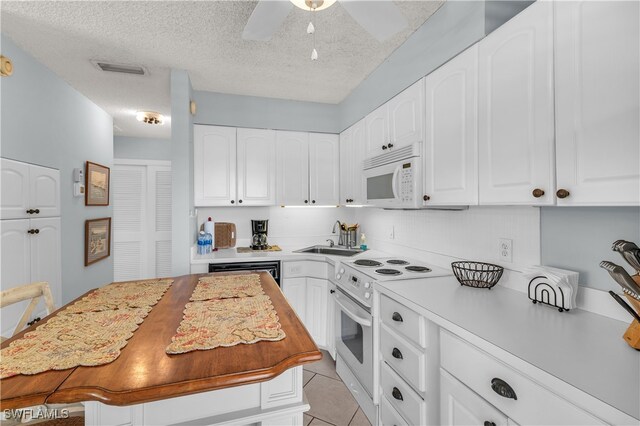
547,293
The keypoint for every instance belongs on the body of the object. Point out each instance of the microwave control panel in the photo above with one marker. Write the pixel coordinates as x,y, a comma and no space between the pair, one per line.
406,183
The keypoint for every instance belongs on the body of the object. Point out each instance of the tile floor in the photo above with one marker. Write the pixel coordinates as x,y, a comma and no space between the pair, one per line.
330,400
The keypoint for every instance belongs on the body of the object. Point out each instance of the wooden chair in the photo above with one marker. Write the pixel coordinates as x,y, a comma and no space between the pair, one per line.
35,292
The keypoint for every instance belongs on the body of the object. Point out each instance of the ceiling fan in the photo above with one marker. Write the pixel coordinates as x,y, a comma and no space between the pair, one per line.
380,18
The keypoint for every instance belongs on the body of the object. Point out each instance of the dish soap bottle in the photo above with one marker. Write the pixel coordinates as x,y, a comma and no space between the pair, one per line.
363,242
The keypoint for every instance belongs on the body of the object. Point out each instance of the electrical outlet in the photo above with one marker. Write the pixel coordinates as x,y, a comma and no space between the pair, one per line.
505,249
392,232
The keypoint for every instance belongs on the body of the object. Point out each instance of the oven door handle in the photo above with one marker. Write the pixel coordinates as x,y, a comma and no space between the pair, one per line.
343,306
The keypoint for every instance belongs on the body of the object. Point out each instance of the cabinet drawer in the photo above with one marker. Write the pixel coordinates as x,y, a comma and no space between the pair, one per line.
305,269
404,357
389,416
477,370
402,319
404,399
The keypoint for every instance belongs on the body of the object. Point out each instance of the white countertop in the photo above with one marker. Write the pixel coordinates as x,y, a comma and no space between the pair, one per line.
578,347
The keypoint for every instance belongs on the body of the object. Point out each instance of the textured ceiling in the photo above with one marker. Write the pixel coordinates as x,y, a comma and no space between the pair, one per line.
204,38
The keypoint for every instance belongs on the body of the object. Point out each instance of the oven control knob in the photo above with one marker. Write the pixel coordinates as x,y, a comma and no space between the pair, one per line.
367,285
367,295
341,271
338,276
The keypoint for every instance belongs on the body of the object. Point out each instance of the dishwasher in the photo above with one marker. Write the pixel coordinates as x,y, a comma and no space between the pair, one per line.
272,267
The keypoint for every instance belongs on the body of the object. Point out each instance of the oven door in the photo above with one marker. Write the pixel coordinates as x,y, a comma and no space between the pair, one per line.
354,338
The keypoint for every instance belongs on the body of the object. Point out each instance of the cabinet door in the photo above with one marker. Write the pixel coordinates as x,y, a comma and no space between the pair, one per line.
324,169
295,290
346,184
597,102
331,319
316,310
44,191
460,406
45,256
516,139
292,168
15,267
406,116
451,140
256,167
14,195
357,152
377,131
214,165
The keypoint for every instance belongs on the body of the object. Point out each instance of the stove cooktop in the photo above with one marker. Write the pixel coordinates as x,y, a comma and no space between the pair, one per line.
397,268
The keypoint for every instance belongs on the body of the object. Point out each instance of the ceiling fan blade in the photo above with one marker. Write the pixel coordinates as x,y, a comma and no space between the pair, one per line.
381,19
266,19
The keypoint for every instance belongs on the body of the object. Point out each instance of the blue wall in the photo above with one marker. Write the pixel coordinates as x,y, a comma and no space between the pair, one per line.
141,148
47,122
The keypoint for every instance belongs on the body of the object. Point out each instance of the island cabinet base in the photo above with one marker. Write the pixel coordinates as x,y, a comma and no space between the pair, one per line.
279,401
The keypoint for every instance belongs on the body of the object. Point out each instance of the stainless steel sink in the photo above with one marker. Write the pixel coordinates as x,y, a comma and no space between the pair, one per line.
335,251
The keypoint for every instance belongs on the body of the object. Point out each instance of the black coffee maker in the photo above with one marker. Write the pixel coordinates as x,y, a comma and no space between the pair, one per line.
259,229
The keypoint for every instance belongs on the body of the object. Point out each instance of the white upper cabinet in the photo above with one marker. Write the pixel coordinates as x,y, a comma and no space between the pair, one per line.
29,190
597,102
292,168
397,123
214,166
516,119
324,169
451,139
256,161
352,146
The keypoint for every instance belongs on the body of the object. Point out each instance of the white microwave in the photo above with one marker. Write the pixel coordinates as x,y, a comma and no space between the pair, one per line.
394,179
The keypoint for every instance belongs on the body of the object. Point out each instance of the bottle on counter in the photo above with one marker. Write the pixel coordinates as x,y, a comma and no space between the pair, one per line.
363,242
208,243
201,243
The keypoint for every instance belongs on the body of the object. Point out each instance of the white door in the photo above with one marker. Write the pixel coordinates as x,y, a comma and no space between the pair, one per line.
45,257
356,150
451,141
460,406
597,102
377,131
324,169
316,310
331,320
256,164
159,220
44,191
15,189
516,132
292,168
214,165
15,269
346,184
295,290
406,116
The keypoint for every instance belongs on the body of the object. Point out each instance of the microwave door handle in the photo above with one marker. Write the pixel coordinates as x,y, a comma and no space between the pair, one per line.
394,182
360,320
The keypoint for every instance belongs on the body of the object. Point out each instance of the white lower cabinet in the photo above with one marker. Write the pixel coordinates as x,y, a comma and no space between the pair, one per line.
389,416
460,406
405,400
316,309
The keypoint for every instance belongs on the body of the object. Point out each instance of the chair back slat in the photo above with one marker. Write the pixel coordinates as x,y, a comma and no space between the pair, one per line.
33,291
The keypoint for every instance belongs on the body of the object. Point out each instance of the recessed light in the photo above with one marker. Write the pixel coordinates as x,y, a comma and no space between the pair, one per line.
150,117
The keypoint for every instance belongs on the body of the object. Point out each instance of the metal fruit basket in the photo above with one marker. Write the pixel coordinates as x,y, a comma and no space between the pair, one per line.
477,274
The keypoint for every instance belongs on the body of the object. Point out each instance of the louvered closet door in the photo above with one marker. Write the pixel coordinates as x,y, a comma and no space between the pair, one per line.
141,221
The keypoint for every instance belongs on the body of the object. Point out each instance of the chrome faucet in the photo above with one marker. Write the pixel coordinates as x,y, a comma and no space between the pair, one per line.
340,240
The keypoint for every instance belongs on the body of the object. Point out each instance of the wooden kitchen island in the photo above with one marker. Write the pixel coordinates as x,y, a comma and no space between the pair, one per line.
242,384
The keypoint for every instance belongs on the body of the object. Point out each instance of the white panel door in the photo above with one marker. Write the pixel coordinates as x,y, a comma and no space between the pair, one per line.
460,406
377,131
295,290
159,220
597,102
451,140
44,191
214,166
324,169
292,168
256,167
316,310
406,116
45,257
516,131
15,267
129,194
14,193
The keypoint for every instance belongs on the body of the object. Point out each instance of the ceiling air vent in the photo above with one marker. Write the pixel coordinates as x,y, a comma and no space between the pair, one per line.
125,69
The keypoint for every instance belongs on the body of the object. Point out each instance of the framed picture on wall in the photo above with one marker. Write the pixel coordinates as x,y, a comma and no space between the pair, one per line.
97,185
97,240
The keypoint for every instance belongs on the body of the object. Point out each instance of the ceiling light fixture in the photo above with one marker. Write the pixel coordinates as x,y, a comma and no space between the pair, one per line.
313,6
150,117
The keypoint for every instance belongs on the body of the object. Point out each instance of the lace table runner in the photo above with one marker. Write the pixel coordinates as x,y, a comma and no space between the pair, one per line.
226,311
90,332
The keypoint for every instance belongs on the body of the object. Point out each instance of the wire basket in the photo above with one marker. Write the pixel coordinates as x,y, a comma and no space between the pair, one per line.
477,274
